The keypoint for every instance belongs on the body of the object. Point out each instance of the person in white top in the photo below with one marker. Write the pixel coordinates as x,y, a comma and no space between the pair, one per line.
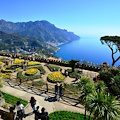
20,110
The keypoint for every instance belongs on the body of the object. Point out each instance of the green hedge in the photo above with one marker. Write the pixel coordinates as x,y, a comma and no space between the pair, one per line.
53,68
12,99
26,78
66,115
73,74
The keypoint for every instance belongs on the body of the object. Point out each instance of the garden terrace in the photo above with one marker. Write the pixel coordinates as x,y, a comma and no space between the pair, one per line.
82,64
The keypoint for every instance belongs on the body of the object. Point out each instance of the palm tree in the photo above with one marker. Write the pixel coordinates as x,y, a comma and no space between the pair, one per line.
82,82
100,86
86,89
103,106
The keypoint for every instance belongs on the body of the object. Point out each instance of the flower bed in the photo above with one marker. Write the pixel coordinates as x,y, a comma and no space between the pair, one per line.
56,77
10,99
33,63
52,68
27,78
18,61
42,71
6,71
1,63
31,71
66,115
5,75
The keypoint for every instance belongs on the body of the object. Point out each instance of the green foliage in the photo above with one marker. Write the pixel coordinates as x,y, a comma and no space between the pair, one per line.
113,42
37,83
1,83
27,78
73,74
112,80
66,115
12,99
106,77
103,106
114,71
100,86
53,68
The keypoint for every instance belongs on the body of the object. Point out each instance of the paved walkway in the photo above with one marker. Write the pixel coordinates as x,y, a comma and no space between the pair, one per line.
65,104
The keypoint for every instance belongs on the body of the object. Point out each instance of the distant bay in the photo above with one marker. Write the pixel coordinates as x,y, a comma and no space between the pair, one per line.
86,48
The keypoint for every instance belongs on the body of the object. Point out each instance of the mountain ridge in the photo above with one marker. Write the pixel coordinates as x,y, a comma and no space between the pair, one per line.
42,30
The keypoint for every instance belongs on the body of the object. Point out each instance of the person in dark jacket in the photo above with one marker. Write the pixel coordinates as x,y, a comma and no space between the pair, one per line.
33,102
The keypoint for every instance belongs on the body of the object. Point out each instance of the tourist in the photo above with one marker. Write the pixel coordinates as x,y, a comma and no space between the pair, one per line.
60,91
37,113
44,115
61,70
66,73
12,108
56,90
46,88
20,110
33,102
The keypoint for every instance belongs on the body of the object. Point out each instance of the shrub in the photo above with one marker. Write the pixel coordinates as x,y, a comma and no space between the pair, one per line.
66,115
6,71
56,77
33,63
6,75
18,61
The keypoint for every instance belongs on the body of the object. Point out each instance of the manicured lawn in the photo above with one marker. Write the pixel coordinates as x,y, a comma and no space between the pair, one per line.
66,115
12,99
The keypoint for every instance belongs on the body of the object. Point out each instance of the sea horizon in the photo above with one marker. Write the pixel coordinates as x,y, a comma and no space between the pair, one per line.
88,48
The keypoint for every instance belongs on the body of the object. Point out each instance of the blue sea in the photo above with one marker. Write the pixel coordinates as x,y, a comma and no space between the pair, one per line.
86,48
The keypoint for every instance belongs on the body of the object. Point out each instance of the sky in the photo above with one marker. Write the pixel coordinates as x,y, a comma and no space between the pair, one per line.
83,17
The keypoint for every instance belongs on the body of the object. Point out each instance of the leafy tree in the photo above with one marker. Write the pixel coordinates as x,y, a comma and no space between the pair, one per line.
72,63
112,41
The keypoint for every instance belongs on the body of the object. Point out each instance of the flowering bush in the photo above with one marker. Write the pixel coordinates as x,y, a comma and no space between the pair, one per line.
1,63
31,71
18,61
6,71
6,75
56,77
6,106
33,63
